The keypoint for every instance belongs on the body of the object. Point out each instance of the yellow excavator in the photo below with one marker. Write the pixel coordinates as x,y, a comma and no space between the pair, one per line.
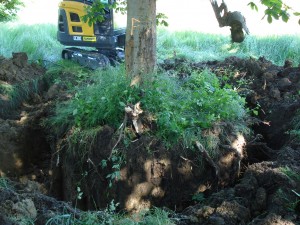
107,41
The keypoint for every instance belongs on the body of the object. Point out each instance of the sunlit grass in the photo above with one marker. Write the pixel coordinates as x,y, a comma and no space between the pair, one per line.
198,46
38,41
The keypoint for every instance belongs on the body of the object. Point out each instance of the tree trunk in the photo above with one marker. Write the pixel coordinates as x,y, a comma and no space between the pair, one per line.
140,49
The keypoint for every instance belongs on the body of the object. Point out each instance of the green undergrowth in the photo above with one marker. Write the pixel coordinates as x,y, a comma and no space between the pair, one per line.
155,216
4,183
290,173
14,95
295,132
180,109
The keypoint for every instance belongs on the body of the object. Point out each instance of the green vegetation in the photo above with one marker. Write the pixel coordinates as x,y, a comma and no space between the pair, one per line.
201,47
290,198
15,94
100,102
183,109
179,108
6,183
291,174
295,132
154,216
38,41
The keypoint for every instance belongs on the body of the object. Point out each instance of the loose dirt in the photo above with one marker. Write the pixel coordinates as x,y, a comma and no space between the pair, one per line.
264,191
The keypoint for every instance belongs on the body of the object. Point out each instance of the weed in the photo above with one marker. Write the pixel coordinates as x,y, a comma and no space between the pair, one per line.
16,94
109,216
199,197
64,219
68,73
100,102
182,110
156,216
289,199
291,174
4,183
116,160
295,132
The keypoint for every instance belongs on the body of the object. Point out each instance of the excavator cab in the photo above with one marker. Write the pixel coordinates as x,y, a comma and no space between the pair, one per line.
73,31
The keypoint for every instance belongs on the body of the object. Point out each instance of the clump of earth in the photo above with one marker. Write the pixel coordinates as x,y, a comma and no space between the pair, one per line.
264,191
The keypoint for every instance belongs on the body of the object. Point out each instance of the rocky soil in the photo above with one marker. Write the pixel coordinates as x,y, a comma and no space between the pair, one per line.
266,190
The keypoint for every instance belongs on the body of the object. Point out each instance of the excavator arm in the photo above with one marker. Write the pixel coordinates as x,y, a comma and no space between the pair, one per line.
235,20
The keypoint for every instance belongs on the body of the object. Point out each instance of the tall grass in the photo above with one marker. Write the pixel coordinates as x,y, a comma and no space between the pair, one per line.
202,47
38,41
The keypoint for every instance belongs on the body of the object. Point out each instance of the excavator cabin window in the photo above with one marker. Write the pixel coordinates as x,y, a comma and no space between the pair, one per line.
74,17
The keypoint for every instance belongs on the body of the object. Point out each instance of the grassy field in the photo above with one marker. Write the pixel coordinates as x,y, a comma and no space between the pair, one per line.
202,47
39,42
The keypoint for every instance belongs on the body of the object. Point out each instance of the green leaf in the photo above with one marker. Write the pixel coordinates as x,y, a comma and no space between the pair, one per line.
103,163
285,17
75,111
122,104
253,6
297,13
269,19
116,166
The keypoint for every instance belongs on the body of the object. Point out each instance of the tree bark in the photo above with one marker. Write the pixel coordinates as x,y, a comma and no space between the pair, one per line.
140,48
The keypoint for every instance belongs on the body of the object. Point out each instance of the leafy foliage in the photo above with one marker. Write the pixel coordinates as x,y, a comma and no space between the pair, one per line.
276,9
100,102
183,109
96,12
161,19
9,9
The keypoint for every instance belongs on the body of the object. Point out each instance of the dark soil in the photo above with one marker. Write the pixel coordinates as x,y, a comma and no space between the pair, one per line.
261,193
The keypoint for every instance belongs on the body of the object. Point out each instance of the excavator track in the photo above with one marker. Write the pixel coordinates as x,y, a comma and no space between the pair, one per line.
93,59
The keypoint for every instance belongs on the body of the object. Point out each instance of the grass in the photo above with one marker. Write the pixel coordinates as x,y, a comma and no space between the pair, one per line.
38,41
16,94
202,47
295,132
154,216
291,174
4,183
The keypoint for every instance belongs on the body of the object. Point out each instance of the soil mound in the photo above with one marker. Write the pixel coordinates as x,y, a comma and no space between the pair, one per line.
17,69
